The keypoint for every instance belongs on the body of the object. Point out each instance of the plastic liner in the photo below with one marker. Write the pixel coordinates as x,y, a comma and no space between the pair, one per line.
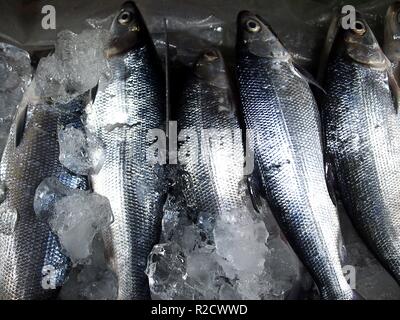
192,24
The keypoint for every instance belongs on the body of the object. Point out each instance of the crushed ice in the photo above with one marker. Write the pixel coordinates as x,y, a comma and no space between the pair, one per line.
76,216
231,256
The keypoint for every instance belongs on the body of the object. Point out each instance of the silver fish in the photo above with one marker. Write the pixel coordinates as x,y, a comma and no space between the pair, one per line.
124,111
279,108
32,264
362,132
211,150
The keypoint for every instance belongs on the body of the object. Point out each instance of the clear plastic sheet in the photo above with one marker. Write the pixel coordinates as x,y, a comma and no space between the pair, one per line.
192,24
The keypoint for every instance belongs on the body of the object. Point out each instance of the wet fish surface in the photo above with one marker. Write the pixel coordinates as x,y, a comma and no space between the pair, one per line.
362,130
281,112
211,151
124,110
32,263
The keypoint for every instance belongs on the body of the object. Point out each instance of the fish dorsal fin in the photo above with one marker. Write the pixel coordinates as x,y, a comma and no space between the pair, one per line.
307,76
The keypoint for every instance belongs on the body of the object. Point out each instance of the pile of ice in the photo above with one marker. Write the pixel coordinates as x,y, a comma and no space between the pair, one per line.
15,76
76,65
77,216
236,255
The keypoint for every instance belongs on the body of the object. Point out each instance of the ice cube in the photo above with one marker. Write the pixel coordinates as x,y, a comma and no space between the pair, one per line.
76,65
77,219
15,76
168,279
80,152
241,241
48,192
93,281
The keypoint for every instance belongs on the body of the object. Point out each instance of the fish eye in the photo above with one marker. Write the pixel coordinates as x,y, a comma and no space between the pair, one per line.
359,28
252,26
124,17
211,55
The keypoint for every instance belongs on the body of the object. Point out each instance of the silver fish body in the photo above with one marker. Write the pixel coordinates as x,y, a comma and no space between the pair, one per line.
32,264
124,111
362,131
280,109
211,150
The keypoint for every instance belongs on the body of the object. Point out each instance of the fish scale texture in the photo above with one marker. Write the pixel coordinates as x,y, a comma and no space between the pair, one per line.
123,112
363,145
214,163
32,245
279,107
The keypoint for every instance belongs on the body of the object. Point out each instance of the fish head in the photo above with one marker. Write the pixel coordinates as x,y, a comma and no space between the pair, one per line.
255,36
127,30
391,44
360,44
210,67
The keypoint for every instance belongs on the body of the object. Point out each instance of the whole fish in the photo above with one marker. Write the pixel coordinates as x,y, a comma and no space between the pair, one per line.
362,129
124,111
211,149
32,264
283,117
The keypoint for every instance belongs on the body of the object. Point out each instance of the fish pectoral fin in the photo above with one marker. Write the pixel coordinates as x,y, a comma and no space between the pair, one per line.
255,191
395,89
331,183
308,77
20,122
93,92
